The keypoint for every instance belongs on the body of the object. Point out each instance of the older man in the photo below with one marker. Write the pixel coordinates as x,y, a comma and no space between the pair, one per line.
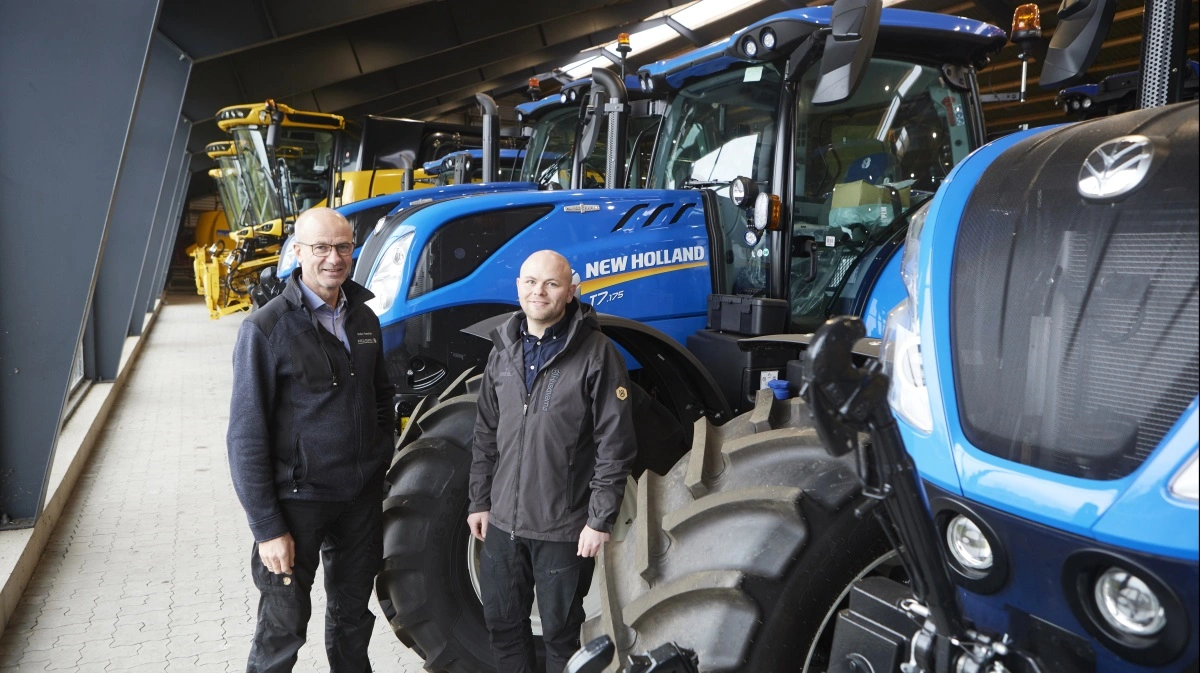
310,435
553,445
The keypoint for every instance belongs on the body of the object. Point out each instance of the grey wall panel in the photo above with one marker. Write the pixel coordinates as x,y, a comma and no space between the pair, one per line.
143,174
70,71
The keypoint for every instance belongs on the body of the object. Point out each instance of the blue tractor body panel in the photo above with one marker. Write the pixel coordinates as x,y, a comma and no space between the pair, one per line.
641,255
399,201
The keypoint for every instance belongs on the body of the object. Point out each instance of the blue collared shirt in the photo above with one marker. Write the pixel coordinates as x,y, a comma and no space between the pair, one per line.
332,318
539,350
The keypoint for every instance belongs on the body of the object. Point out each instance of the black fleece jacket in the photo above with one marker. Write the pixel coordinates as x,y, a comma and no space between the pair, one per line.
552,458
307,420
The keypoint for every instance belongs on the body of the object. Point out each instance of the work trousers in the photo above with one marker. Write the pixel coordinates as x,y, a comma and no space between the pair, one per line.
346,538
510,568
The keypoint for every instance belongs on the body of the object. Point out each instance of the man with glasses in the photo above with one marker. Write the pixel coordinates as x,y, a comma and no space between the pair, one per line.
311,431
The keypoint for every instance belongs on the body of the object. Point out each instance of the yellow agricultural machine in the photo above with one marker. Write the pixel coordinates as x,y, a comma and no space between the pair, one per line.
278,164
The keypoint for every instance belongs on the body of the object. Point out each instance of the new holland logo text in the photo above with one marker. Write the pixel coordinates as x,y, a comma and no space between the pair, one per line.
1116,168
581,208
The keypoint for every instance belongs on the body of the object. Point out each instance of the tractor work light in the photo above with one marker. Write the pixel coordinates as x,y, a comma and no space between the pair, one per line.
768,39
1128,604
968,544
750,47
767,211
743,192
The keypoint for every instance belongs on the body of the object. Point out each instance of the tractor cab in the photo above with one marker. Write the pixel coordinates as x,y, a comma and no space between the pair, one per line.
807,194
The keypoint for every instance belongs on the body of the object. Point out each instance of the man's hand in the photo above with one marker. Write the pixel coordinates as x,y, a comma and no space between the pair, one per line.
478,523
278,554
590,541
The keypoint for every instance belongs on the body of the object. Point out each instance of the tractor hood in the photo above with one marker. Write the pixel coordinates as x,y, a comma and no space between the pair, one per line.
469,251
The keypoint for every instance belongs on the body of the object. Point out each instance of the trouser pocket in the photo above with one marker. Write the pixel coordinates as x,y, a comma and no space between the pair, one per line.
269,582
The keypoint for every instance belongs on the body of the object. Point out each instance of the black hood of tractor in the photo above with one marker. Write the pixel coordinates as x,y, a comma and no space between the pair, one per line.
1083,310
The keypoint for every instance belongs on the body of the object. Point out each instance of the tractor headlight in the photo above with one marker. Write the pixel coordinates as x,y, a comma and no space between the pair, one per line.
900,351
1128,604
1185,485
384,282
968,544
287,257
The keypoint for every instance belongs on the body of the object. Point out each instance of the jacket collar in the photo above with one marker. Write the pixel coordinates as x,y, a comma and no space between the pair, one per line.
355,294
509,333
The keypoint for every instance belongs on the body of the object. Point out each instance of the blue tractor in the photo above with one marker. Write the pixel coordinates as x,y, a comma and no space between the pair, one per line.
776,193
1033,418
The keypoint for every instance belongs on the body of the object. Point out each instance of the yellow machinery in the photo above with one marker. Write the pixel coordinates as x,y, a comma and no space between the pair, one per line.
277,165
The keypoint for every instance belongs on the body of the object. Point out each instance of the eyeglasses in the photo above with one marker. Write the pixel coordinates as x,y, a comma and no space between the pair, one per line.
323,249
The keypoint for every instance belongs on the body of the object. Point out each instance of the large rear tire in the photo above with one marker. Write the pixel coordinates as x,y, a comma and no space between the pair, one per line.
425,587
741,551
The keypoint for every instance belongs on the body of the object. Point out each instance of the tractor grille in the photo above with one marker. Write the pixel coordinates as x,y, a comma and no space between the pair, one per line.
1075,322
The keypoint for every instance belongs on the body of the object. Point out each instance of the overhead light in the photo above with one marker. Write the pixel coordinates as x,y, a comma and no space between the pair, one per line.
584,68
707,11
646,39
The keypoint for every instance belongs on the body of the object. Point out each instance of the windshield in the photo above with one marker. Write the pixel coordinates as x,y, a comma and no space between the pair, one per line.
306,155
858,165
252,157
234,194
553,139
717,129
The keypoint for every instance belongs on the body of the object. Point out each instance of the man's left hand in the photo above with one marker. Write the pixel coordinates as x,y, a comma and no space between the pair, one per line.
590,541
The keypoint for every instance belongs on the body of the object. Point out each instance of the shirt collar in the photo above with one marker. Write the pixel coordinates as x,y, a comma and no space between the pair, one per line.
314,302
557,329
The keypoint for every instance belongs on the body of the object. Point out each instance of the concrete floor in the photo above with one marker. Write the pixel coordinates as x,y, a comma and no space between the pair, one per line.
148,568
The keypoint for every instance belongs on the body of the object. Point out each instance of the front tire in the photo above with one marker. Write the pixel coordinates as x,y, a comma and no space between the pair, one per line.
742,549
425,587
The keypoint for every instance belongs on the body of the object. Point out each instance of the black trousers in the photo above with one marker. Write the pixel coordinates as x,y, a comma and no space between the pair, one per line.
509,570
346,538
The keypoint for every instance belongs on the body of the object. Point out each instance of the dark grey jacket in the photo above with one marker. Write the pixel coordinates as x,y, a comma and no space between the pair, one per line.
549,461
307,420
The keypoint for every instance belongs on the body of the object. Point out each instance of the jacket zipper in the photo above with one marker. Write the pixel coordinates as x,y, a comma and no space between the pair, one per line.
525,415
520,454
358,423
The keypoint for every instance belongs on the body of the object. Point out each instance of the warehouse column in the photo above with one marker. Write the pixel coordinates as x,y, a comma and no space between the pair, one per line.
147,291
146,170
70,71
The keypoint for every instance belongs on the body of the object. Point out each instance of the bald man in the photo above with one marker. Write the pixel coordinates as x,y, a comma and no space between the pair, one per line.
553,445
311,428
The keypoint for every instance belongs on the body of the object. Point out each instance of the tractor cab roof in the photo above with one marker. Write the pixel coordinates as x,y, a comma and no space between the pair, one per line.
920,35
569,94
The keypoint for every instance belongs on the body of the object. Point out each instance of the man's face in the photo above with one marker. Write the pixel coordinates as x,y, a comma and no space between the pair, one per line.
330,271
544,288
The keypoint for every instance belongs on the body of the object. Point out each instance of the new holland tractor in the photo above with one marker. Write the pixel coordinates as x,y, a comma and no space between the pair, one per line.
1028,498
778,193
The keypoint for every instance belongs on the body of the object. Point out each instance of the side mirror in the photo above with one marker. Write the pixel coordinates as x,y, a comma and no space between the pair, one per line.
848,49
1082,26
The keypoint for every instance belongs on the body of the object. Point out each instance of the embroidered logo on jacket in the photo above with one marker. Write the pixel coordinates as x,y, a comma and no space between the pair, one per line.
554,374
622,393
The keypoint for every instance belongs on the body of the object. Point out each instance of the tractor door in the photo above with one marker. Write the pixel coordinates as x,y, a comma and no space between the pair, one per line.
858,165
